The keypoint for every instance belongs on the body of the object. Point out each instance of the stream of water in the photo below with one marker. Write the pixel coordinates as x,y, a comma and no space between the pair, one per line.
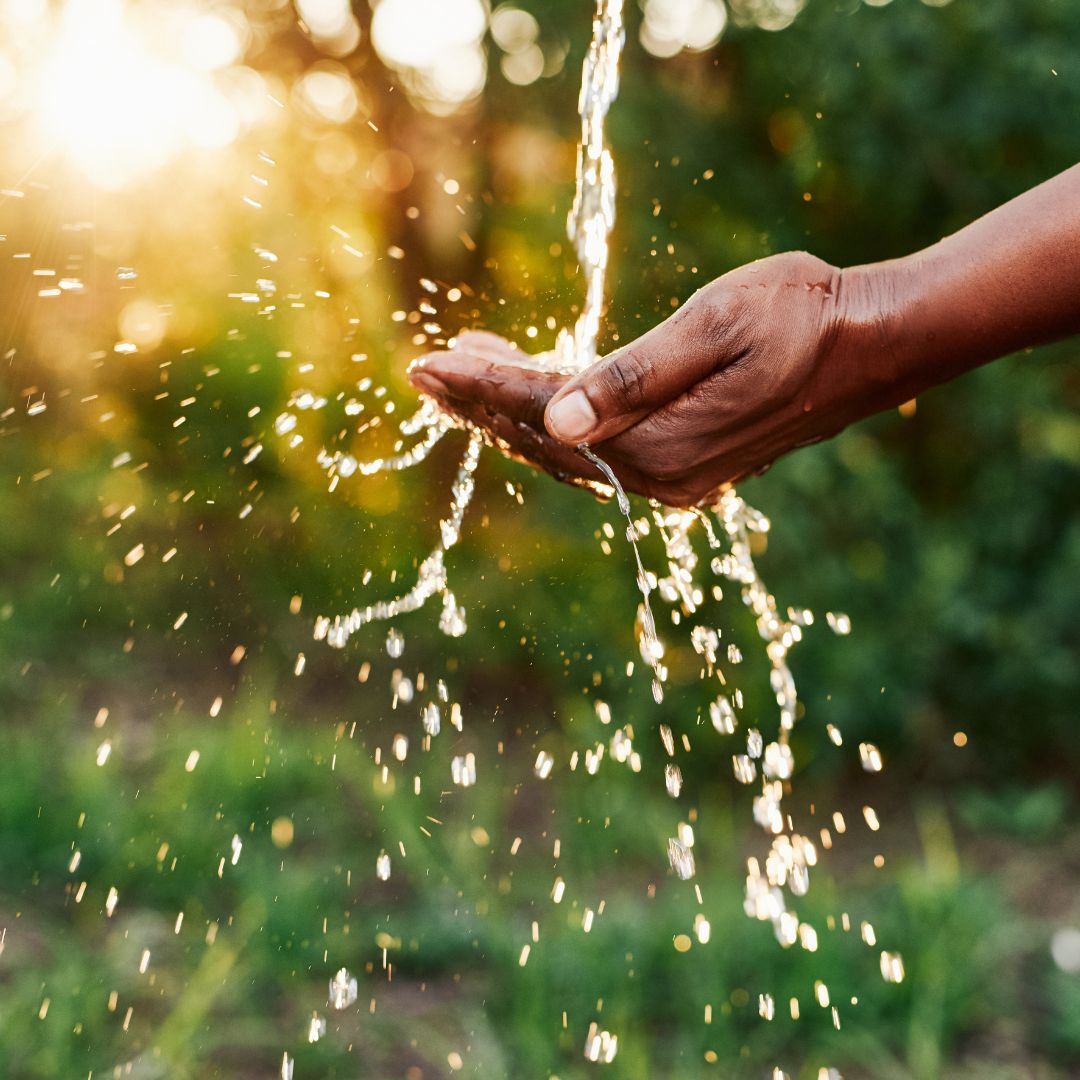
775,880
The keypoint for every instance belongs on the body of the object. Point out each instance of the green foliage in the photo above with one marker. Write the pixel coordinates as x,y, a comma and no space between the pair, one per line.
951,538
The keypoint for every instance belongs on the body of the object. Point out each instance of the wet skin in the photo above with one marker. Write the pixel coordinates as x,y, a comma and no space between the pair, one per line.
779,354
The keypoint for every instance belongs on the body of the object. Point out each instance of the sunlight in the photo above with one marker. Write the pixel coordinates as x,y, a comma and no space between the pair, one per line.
120,92
436,47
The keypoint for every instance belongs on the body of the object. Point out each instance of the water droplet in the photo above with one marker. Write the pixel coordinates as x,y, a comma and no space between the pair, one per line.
431,718
600,1046
722,715
463,770
892,967
316,1029
871,757
681,859
745,769
673,780
285,423
343,990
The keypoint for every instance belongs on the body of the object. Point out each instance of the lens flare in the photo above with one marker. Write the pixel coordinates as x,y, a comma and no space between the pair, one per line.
122,90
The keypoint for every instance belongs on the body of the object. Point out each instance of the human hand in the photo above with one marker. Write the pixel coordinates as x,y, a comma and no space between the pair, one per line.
767,358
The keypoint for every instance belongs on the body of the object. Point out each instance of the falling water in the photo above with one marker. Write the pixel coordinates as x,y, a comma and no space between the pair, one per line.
728,527
592,215
589,225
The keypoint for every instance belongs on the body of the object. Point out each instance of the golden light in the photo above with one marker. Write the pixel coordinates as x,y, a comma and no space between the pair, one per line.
673,25
523,68
143,323
121,88
513,29
213,40
392,170
9,78
516,32
331,24
435,45
328,92
324,18
22,13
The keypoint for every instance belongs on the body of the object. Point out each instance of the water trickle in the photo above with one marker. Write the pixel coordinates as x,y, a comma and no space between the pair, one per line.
652,649
730,527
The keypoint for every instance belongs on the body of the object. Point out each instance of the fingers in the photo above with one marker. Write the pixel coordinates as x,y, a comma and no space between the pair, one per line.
533,446
520,393
505,400
641,377
488,345
509,402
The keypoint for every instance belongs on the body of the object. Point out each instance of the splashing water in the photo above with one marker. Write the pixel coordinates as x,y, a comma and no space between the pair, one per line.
728,526
431,578
589,225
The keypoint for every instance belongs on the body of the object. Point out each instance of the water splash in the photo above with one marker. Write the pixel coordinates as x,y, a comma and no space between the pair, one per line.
589,225
431,578
729,526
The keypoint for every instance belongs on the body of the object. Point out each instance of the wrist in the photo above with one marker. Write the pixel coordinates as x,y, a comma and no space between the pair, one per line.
898,347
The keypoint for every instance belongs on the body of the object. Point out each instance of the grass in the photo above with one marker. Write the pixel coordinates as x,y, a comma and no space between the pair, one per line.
436,948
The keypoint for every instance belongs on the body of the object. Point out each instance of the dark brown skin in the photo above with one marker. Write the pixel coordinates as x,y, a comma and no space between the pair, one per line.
779,354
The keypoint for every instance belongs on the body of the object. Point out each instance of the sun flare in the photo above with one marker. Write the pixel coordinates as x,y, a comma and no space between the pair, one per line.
121,90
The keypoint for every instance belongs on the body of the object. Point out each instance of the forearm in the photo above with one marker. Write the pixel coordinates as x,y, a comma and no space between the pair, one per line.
1009,280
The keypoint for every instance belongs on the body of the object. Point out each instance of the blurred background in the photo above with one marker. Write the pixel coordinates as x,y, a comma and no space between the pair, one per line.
206,208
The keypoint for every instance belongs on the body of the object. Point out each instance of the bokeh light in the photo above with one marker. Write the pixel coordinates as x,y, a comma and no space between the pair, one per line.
143,323
331,23
171,552
120,89
670,26
392,170
328,92
766,14
515,32
435,46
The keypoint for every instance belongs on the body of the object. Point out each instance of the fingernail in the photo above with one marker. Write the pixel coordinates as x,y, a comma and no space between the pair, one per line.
571,418
429,384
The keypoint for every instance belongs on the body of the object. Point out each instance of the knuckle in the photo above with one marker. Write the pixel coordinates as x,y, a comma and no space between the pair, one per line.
625,380
717,309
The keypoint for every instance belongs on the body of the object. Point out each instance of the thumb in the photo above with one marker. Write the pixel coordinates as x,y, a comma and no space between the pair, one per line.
628,384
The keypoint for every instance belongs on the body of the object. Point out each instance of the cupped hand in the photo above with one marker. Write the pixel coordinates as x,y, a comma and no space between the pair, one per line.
767,358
